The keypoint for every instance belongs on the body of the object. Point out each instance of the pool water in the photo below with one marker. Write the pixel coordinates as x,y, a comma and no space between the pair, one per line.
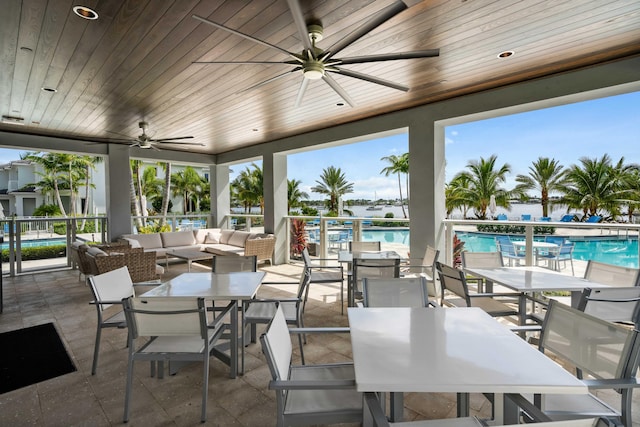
387,236
622,252
36,243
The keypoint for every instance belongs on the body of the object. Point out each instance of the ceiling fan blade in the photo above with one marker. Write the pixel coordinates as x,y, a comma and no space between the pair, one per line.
247,62
268,80
170,139
335,86
371,79
180,142
301,91
301,25
383,16
430,53
246,36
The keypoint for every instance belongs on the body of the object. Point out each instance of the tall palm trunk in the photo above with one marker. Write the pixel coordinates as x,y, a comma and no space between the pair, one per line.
166,193
135,206
400,190
58,198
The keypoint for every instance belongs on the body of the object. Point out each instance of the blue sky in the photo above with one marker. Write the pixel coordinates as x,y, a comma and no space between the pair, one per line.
567,133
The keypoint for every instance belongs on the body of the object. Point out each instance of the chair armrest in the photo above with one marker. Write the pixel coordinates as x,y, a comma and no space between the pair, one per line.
280,283
321,267
508,294
328,330
611,383
312,385
105,302
218,319
265,300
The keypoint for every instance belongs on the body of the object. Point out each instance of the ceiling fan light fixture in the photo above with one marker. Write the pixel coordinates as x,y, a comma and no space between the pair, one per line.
85,12
313,70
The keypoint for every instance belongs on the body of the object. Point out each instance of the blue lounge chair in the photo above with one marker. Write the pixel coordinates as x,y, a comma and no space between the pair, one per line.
545,218
594,218
567,218
501,217
525,217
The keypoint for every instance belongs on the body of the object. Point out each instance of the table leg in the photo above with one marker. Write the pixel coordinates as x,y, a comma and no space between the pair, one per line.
242,336
189,265
463,405
396,400
233,350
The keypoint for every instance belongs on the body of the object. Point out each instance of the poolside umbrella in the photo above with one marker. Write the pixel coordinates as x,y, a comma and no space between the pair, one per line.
492,205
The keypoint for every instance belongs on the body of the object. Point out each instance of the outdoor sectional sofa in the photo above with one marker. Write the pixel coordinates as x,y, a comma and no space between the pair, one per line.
213,240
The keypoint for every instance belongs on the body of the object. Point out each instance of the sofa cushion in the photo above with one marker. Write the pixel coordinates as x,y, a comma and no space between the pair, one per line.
147,241
201,234
222,249
238,238
225,235
177,238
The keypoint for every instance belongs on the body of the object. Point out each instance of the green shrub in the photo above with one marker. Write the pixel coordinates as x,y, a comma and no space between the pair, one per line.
47,210
41,252
514,229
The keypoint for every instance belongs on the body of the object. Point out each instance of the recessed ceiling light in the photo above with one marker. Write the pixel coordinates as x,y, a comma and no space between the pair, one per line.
26,49
13,120
506,54
340,104
85,12
49,89
255,130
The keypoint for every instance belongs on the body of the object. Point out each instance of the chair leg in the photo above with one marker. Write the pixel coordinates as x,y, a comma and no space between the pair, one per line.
127,393
301,349
342,297
205,386
96,351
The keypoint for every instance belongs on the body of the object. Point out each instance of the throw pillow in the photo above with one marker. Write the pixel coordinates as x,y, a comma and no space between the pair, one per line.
212,238
133,243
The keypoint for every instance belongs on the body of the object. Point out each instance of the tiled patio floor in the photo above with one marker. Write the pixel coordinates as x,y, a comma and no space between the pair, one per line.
82,399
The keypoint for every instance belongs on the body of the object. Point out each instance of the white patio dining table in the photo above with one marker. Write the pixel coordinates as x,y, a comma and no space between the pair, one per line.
533,280
234,287
439,350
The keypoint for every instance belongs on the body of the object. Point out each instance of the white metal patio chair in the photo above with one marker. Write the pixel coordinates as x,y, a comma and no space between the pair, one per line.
361,246
325,274
308,394
232,263
170,329
109,289
455,293
370,268
481,260
424,267
620,305
605,356
610,274
395,292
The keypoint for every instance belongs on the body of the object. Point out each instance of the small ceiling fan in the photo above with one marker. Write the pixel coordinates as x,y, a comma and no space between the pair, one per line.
146,142
316,63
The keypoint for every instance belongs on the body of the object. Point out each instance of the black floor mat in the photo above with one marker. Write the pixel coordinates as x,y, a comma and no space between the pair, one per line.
31,355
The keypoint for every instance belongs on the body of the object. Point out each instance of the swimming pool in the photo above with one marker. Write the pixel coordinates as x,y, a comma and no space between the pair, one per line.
386,235
36,243
611,250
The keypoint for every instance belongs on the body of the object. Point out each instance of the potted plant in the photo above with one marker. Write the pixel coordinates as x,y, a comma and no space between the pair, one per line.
298,237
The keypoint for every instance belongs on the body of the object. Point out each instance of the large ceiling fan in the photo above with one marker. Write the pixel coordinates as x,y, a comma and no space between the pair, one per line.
145,141
316,63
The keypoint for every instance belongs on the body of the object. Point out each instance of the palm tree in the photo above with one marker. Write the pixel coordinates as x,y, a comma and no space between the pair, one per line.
597,185
134,172
247,189
294,194
545,175
398,165
483,181
150,185
55,165
166,193
333,183
186,183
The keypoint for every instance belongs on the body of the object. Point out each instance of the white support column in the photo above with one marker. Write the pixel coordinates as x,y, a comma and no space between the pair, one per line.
426,185
274,170
220,195
117,191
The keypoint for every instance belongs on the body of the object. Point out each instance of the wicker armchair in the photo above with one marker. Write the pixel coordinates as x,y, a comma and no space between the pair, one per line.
141,265
261,248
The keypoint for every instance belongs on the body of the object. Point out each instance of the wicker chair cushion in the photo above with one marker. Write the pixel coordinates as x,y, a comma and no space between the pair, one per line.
95,252
133,243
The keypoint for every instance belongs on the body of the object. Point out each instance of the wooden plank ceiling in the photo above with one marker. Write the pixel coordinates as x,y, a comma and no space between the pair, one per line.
135,62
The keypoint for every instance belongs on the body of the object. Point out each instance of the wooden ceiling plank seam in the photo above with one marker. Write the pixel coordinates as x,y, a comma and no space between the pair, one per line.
9,50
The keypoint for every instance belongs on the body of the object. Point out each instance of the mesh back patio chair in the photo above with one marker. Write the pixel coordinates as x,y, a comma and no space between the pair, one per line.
563,253
170,329
395,292
308,394
233,263
360,246
370,268
610,274
508,250
481,260
325,274
621,305
261,310
605,356
455,293
424,267
109,289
